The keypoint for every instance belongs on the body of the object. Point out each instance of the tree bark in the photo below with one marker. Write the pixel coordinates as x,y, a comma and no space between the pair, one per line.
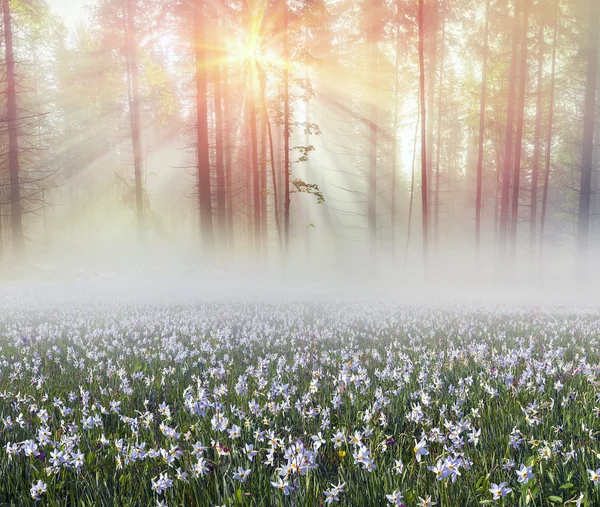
135,117
519,135
395,138
373,132
424,206
549,135
286,130
482,102
431,28
588,131
438,142
254,154
508,153
16,219
263,95
204,190
228,149
535,168
221,219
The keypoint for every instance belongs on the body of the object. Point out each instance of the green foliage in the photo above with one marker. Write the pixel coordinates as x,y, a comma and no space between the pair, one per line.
301,186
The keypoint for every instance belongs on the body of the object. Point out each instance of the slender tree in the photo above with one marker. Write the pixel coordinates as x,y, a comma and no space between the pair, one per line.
252,111
286,128
135,117
373,135
228,133
431,24
221,214
519,134
395,134
438,142
482,102
424,206
537,142
589,119
508,143
16,219
203,162
549,133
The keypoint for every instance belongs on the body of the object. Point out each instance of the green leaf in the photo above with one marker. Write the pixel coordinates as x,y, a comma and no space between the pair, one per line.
554,499
567,485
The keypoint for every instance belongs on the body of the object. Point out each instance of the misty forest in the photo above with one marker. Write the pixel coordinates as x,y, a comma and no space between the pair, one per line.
337,133
300,253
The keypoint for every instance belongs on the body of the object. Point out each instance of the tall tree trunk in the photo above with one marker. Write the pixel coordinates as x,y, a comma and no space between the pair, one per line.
549,134
395,137
535,169
286,130
263,95
519,135
508,152
254,152
221,221
589,119
431,27
424,207
438,142
263,178
204,191
247,172
482,101
16,219
228,123
373,131
135,117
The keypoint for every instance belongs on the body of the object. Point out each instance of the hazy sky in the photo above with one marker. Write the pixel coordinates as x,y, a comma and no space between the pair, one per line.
70,10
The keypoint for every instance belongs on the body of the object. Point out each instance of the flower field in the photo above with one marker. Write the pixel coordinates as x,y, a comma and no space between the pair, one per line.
299,404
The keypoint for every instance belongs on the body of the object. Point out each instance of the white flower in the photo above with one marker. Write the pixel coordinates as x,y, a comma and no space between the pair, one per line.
499,490
420,449
241,474
524,474
282,486
395,498
37,489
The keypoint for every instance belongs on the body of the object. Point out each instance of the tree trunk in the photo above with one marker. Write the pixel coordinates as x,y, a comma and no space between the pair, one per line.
16,219
438,142
221,221
508,153
395,138
588,132
425,210
519,135
254,152
549,135
373,131
535,169
432,27
204,191
286,131
263,179
482,101
228,149
271,156
247,171
136,133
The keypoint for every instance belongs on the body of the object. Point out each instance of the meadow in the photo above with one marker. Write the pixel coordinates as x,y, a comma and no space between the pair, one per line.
299,404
